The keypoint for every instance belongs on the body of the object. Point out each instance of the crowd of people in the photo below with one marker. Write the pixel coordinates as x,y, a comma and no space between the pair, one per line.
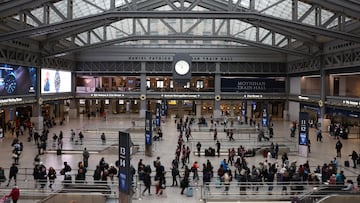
184,171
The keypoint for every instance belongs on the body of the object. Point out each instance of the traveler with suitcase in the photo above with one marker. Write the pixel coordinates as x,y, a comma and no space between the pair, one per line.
354,157
14,194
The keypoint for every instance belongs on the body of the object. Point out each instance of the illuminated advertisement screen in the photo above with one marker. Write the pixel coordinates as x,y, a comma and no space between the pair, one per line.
55,81
17,80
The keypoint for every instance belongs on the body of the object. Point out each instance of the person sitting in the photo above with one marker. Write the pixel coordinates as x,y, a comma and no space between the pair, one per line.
349,186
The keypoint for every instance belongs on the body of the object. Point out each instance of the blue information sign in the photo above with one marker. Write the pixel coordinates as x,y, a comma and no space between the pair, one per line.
264,120
303,128
148,127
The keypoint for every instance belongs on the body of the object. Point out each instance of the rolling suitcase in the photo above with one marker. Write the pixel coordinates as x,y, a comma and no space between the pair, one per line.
218,183
67,180
347,163
189,192
58,152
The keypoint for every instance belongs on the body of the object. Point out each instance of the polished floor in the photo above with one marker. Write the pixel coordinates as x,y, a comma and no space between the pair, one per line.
321,152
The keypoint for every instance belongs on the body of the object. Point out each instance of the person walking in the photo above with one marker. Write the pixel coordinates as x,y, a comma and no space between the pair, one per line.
103,138
338,148
12,173
81,137
14,194
198,147
218,145
215,134
147,182
52,176
86,156
174,173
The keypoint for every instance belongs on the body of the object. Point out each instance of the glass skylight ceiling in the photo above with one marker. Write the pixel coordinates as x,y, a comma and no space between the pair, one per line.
163,27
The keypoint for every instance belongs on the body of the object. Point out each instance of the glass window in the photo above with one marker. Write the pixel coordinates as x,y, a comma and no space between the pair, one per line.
199,84
171,84
187,86
160,84
148,84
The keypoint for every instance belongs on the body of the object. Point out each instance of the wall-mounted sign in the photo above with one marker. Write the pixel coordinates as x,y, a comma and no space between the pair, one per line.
349,102
55,81
10,100
107,95
252,85
253,96
180,96
17,80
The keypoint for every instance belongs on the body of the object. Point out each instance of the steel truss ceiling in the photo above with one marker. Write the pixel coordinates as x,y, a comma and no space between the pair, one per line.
61,29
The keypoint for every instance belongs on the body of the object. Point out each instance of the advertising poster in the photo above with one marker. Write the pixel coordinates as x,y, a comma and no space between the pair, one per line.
17,80
55,81
124,163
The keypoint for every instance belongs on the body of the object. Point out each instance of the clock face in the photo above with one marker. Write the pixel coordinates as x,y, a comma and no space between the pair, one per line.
182,67
10,84
57,81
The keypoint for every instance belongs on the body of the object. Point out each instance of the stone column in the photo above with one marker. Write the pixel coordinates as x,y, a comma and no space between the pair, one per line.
217,90
74,108
143,103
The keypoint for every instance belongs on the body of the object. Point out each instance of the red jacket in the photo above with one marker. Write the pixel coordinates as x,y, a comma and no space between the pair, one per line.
14,194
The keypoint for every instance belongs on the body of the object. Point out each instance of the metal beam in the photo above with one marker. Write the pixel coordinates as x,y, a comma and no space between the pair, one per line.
13,7
249,16
347,8
181,37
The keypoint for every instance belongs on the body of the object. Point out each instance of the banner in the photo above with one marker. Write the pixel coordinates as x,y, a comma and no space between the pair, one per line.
124,163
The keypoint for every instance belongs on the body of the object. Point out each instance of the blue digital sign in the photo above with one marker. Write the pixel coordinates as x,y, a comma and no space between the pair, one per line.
303,139
147,139
148,127
303,128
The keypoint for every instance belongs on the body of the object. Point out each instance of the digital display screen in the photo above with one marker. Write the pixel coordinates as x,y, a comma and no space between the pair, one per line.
303,139
17,80
55,81
147,139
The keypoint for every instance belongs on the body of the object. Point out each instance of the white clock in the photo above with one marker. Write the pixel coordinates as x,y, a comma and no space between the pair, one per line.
182,67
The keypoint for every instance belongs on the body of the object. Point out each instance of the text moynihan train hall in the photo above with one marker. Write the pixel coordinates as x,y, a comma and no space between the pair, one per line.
251,85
